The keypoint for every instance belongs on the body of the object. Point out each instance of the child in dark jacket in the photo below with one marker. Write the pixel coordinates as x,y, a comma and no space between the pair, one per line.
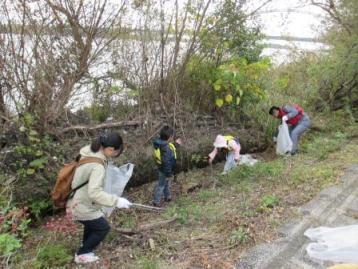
165,154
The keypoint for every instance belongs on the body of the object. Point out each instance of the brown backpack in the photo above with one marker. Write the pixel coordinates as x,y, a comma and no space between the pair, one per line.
62,190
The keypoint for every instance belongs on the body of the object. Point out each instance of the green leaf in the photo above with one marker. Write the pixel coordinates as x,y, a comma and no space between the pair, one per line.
30,171
33,133
115,89
8,244
38,153
38,163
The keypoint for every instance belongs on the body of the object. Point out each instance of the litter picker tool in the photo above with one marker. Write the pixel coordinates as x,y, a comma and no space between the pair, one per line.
147,207
212,176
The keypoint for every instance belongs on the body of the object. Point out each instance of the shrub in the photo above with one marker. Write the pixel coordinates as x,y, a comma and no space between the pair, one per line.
9,244
51,256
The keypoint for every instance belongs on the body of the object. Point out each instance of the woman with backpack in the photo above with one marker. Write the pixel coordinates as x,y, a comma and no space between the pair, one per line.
86,203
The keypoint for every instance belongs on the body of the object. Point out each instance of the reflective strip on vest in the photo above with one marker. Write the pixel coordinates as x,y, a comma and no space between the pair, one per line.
228,138
157,153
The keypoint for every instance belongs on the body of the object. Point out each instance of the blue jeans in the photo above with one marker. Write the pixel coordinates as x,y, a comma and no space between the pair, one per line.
298,130
163,186
94,233
230,162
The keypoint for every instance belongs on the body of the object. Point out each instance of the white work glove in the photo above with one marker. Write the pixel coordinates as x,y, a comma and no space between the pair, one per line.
123,203
275,139
285,118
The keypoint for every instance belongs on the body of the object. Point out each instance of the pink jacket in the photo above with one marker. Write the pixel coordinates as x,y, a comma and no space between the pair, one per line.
233,146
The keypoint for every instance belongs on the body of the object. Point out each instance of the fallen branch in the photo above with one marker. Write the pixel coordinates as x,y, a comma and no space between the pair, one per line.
146,227
101,126
5,118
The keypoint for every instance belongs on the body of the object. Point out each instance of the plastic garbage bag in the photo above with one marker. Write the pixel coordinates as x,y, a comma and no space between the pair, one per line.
116,180
334,244
344,266
247,159
284,142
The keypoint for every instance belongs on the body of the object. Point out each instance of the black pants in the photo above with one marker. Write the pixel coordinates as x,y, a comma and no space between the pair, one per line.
94,232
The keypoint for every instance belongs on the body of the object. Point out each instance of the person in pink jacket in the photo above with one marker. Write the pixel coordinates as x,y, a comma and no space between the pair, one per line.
232,146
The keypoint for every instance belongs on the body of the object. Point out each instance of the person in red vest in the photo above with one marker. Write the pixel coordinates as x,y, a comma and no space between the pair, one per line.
297,118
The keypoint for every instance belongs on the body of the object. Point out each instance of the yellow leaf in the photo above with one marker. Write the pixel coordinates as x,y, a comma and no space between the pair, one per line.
238,100
217,87
219,102
228,98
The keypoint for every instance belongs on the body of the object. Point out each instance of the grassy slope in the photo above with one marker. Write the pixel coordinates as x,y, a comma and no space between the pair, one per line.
215,226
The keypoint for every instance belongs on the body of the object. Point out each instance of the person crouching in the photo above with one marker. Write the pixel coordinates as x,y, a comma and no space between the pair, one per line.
231,146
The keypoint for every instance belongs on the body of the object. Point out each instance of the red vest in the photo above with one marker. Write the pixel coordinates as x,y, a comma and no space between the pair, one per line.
293,121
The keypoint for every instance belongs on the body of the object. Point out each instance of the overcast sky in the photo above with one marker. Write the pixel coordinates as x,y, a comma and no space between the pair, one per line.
303,20
289,18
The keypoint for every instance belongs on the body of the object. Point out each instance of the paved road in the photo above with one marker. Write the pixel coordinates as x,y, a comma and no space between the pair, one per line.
334,206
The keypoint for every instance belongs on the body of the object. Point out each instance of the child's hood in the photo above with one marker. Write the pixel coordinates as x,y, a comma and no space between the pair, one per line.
158,143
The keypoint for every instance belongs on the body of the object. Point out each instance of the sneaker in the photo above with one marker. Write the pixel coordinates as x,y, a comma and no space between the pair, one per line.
86,258
168,199
155,204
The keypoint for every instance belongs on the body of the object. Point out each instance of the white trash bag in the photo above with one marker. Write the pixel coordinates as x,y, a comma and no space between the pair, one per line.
247,159
116,180
284,142
334,244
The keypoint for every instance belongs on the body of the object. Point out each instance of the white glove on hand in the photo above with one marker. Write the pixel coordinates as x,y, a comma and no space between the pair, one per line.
123,203
274,139
284,118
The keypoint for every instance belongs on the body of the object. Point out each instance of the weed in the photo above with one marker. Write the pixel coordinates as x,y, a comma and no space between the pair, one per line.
269,201
52,256
269,170
37,208
249,213
206,194
127,220
321,146
146,263
239,236
9,244
274,222
15,220
23,227
196,158
186,213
